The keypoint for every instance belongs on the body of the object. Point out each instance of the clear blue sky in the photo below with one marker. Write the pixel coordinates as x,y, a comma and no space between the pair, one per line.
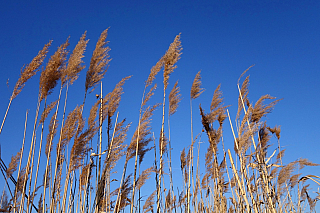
220,38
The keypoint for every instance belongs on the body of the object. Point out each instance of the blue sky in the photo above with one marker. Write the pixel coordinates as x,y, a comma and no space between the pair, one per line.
220,38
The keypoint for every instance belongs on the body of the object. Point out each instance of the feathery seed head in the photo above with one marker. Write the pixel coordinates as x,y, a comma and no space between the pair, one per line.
13,164
174,99
30,70
99,62
75,62
52,133
196,91
46,111
52,73
171,58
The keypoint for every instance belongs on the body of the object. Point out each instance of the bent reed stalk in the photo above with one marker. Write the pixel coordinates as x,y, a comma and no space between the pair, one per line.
82,178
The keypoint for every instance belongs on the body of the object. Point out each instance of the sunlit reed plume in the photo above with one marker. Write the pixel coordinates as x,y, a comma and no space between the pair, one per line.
13,164
31,69
174,99
196,91
99,62
75,62
52,73
112,100
144,132
46,111
148,205
52,133
170,59
124,199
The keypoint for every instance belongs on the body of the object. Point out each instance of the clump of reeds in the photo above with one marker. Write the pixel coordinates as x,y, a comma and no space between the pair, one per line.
81,175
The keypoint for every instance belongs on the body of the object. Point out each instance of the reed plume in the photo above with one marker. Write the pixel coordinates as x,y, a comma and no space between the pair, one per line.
243,92
143,177
40,204
243,98
85,176
124,195
167,61
47,111
52,72
196,89
75,62
170,59
13,164
80,148
110,104
20,182
260,109
99,63
169,201
31,69
142,135
5,204
112,100
174,99
27,72
52,133
117,148
148,205
73,121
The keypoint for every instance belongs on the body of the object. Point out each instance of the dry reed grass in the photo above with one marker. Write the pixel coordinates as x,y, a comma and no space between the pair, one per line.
81,178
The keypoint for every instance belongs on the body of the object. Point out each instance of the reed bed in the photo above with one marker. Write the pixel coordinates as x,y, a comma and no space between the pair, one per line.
81,165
